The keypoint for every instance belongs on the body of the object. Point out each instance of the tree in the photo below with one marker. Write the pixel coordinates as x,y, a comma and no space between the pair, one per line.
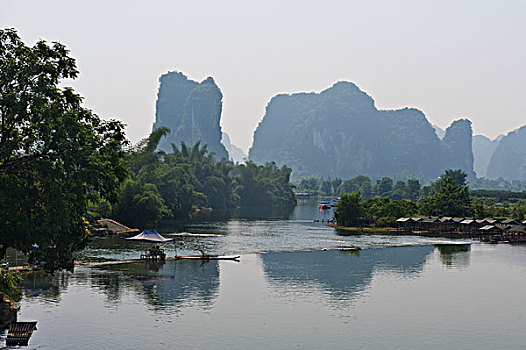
399,191
140,205
326,188
383,187
360,183
413,189
55,155
349,210
310,184
451,197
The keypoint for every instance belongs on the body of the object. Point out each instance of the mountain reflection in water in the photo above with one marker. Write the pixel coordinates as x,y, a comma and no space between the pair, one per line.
341,274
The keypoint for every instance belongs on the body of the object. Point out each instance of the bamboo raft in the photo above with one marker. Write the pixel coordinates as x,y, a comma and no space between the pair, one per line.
19,333
207,257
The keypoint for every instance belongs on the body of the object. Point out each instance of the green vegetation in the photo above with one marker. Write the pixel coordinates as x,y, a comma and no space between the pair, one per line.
349,210
384,187
55,155
60,164
178,184
8,282
448,196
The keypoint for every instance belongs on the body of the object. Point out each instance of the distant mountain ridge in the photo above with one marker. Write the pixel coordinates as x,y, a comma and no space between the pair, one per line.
337,133
483,149
340,133
509,158
191,110
235,153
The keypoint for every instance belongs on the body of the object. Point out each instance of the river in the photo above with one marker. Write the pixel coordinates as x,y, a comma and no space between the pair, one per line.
398,292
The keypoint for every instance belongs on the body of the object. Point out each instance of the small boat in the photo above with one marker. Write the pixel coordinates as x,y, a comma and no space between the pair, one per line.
207,257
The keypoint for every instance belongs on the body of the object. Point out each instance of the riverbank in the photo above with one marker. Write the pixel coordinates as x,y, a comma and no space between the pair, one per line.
490,237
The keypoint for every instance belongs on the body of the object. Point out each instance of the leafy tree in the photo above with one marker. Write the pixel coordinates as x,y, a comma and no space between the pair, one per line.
55,155
399,191
383,212
264,185
310,184
326,187
349,210
478,210
383,187
179,183
8,282
451,198
336,183
413,189
141,205
359,183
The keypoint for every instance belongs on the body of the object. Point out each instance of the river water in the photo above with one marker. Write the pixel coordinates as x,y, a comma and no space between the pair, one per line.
396,293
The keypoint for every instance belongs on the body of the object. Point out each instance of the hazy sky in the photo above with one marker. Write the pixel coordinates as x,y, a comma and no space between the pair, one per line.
450,59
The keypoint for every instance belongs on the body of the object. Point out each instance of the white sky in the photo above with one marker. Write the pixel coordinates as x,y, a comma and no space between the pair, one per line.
450,59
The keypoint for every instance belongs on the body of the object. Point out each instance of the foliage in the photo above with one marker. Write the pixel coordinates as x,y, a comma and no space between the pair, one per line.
8,282
310,184
55,155
349,210
264,185
360,184
383,212
140,204
498,184
383,187
450,197
178,184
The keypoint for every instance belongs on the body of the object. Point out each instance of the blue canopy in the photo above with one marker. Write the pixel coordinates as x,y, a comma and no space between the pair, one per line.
150,236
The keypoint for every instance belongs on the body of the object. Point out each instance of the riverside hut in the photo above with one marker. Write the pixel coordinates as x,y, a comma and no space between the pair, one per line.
469,226
107,227
447,224
404,224
490,230
491,221
511,222
431,224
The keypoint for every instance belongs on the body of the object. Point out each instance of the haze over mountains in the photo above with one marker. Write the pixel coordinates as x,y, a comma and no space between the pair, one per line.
192,112
338,133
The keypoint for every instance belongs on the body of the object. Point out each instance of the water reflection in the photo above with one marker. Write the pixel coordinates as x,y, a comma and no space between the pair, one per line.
375,299
177,284
46,286
454,255
174,284
340,274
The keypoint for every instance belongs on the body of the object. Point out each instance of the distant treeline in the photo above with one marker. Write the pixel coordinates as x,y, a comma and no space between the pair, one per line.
497,185
499,195
448,196
489,190
178,184
384,187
